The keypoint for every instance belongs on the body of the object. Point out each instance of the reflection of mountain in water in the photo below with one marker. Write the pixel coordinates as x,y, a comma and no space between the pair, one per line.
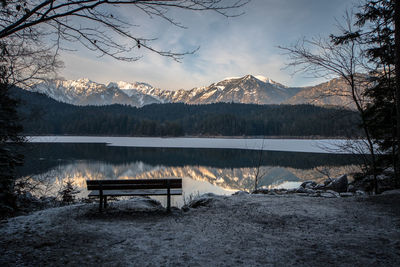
225,178
40,158
232,179
203,170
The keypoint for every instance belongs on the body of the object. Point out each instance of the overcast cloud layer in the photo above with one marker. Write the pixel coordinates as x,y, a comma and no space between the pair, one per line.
228,46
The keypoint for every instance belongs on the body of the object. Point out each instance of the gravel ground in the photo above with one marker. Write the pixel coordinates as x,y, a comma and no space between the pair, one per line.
240,230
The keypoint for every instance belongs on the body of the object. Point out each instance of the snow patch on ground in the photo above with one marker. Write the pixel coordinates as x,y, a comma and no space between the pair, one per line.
240,230
293,145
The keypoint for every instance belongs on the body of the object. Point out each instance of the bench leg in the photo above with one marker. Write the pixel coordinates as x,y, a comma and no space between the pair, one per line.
105,202
169,201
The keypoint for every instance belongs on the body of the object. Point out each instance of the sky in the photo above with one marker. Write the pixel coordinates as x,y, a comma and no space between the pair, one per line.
228,47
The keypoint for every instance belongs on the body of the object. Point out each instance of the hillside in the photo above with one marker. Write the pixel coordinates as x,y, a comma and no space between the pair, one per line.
332,92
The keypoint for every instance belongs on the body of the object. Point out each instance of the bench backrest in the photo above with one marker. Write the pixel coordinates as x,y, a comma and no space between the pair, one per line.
134,184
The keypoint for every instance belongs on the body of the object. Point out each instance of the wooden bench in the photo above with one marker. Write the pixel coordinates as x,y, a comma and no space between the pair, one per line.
139,187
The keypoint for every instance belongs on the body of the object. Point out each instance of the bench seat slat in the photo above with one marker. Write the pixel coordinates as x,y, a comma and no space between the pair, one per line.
131,186
136,181
144,192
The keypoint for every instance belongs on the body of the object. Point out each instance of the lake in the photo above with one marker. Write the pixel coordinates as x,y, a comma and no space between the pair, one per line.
216,165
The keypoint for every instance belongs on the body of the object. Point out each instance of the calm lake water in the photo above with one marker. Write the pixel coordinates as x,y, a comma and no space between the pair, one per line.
48,166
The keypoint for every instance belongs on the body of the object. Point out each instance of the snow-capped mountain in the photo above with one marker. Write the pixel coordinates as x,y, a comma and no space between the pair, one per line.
131,88
87,92
248,89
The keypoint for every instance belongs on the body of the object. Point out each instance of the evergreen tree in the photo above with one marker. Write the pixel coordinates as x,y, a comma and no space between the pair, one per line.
10,130
377,33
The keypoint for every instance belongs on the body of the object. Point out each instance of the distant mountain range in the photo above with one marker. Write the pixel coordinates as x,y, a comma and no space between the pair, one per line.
84,92
248,90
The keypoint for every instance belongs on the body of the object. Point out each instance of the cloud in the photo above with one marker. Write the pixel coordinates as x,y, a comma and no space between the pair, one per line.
228,47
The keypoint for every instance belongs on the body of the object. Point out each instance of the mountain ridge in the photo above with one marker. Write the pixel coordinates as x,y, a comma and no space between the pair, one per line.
248,89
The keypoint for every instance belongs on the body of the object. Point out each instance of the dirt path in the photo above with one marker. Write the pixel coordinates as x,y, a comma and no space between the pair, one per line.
248,230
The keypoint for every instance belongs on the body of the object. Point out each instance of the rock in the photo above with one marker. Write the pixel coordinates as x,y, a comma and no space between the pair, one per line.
281,190
302,194
175,209
301,190
319,186
308,184
240,193
346,194
360,193
185,209
261,191
391,192
364,183
386,182
339,184
309,191
383,177
152,202
351,188
311,186
273,192
328,195
201,202
336,194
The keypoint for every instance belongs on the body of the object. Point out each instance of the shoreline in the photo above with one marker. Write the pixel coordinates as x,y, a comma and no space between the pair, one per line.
329,146
207,137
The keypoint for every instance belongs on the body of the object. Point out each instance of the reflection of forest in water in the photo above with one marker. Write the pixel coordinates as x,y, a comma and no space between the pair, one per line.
225,168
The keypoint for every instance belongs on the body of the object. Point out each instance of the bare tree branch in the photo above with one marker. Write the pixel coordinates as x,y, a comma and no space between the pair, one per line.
96,24
343,58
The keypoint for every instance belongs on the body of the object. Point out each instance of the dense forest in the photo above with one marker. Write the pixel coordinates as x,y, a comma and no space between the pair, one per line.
42,115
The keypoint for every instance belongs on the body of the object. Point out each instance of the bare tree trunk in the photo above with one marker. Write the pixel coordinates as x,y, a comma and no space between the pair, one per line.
257,174
366,131
397,71
393,111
